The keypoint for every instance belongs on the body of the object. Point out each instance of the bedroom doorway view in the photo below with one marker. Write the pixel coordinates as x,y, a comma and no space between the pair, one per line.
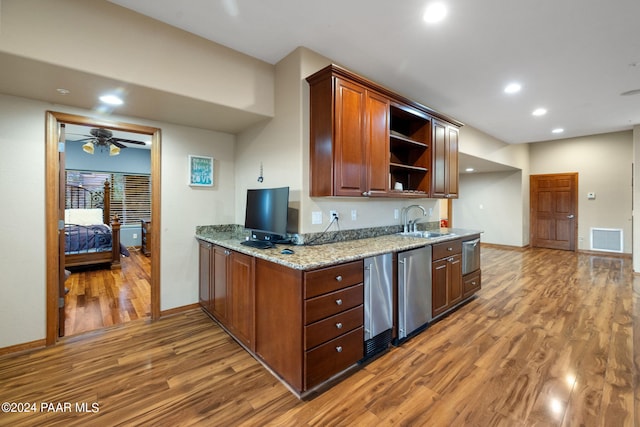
105,249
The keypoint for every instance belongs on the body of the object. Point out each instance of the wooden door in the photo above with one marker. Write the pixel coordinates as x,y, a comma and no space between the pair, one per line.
350,171
242,297
220,295
554,211
205,276
377,140
452,162
438,160
455,280
439,297
61,236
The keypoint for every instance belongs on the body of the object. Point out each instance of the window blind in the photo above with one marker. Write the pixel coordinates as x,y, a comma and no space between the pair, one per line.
130,193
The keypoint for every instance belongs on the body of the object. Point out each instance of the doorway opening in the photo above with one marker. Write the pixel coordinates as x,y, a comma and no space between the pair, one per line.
55,214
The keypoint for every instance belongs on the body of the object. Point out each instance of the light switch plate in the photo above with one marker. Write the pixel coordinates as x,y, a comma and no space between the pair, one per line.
316,217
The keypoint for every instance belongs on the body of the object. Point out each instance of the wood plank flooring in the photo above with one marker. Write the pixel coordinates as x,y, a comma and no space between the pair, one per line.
550,340
100,297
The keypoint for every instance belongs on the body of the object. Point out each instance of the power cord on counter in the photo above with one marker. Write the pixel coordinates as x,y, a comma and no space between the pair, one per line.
315,239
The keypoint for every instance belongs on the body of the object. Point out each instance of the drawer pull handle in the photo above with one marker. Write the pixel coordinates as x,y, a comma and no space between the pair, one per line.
339,278
473,283
339,349
339,325
450,249
339,302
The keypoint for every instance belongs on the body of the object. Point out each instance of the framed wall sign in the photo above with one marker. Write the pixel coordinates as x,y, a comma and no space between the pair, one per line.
200,171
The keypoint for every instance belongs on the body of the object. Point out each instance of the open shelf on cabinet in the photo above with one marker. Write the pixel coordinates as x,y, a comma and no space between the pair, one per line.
409,154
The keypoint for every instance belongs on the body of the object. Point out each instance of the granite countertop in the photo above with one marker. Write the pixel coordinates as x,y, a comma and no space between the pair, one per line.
312,257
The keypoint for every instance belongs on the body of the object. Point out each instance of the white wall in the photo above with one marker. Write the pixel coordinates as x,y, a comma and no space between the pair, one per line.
604,166
22,219
491,202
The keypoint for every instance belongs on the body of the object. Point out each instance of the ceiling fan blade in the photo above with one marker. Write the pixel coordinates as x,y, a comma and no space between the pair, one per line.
116,143
128,141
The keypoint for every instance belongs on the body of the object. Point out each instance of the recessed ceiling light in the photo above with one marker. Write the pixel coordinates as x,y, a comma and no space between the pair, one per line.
539,112
435,12
469,169
513,88
557,130
111,99
63,91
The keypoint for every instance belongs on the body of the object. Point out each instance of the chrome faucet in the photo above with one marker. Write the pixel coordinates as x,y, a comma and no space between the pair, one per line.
405,214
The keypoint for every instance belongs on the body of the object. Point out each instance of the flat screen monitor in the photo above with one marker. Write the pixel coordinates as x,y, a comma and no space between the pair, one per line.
266,214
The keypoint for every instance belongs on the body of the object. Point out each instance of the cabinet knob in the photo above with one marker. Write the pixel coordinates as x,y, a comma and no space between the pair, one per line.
365,193
473,283
339,278
227,252
339,325
450,249
339,349
339,302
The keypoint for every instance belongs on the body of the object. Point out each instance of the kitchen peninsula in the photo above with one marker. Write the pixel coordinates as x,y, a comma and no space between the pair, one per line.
302,314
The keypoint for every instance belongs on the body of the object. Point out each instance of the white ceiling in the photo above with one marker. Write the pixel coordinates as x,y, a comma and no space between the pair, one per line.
573,57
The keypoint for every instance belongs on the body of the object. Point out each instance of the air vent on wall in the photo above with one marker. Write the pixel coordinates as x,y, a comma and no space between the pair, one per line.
606,239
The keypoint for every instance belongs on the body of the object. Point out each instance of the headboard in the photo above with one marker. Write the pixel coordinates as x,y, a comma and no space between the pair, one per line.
78,197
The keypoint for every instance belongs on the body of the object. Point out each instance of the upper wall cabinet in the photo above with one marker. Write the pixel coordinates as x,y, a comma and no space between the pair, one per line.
445,161
368,141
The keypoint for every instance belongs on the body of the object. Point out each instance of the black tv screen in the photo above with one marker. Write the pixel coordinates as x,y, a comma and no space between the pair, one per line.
266,214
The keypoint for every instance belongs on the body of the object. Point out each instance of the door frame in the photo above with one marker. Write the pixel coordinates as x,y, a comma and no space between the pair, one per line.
533,203
52,200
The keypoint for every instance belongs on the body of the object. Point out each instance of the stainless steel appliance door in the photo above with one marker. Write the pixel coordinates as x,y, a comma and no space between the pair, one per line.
414,290
470,256
378,295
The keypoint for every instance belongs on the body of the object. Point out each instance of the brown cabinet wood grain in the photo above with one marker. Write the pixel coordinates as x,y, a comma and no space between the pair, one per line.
444,180
471,283
240,285
446,276
365,139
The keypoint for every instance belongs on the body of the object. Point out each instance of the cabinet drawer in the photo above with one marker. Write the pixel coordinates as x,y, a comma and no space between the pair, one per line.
333,357
331,327
333,303
329,279
445,249
471,283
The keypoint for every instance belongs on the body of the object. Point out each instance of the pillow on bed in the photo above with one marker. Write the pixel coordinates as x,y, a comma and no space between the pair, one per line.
83,216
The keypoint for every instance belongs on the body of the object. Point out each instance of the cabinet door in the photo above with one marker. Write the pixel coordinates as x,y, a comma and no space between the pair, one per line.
242,297
350,152
438,160
455,280
204,276
377,140
452,162
220,295
444,165
439,277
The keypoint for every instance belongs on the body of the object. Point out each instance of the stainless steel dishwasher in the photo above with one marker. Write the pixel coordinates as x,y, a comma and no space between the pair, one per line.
470,255
414,290
378,304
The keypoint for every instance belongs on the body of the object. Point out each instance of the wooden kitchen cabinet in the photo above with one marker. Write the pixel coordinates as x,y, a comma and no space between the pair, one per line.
324,316
365,139
350,128
446,276
226,288
444,161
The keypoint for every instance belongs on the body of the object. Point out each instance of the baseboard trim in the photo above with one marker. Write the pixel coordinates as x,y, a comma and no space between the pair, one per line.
23,347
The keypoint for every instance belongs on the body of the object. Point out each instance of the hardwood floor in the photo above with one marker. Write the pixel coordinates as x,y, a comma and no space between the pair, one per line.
550,340
100,297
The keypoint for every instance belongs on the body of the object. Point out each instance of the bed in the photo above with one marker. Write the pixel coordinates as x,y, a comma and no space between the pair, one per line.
92,237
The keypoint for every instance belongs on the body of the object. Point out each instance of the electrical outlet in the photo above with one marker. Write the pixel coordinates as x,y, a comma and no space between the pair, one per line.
354,214
333,214
135,236
396,214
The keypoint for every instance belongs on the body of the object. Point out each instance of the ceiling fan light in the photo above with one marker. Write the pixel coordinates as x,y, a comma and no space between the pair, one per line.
88,147
114,150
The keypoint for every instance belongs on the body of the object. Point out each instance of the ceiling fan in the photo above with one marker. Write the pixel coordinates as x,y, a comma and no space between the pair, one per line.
104,139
